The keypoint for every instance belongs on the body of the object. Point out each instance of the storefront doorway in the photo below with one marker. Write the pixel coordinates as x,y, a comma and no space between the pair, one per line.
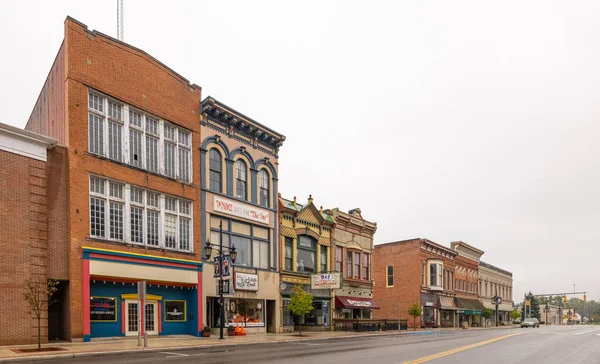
150,318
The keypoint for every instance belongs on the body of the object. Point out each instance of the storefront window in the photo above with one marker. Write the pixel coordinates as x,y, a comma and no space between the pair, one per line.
246,312
288,316
306,254
428,314
319,316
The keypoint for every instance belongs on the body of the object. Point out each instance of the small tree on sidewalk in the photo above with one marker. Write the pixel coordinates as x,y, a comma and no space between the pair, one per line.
487,314
415,311
39,294
301,303
515,314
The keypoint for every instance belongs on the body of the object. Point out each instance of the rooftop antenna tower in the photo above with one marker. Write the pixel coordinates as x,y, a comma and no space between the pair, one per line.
120,21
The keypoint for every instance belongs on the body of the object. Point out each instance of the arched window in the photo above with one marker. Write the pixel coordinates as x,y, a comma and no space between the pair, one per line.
264,188
215,170
240,179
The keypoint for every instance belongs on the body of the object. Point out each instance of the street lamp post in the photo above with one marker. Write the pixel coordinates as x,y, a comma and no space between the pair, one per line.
233,255
496,300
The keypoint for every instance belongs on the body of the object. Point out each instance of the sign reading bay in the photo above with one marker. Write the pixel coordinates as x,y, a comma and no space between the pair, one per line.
242,210
246,282
326,281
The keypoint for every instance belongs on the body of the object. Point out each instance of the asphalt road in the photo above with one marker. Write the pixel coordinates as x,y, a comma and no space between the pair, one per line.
552,344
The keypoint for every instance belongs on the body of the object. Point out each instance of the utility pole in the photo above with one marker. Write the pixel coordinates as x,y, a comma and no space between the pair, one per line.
120,21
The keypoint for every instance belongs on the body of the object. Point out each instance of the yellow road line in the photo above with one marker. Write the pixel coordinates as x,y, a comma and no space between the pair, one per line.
458,350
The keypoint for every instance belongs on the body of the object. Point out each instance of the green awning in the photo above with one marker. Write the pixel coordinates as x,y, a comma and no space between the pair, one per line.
470,312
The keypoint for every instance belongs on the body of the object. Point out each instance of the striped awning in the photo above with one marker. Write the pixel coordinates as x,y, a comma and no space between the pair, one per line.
447,303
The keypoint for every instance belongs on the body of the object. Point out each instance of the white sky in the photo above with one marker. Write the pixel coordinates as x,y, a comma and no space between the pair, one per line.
449,120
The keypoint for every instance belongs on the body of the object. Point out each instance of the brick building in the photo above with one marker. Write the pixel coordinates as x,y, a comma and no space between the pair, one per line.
131,129
415,270
28,203
239,162
466,278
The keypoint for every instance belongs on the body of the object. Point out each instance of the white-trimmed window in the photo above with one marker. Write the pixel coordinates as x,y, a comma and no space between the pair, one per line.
436,274
140,223
120,132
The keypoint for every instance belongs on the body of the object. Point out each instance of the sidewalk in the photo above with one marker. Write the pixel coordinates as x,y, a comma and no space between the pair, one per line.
112,346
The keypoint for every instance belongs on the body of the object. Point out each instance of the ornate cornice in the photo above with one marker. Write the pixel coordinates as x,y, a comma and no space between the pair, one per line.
221,117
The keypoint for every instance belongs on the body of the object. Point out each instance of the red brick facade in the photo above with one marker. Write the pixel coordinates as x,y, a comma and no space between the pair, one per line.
25,240
411,279
92,61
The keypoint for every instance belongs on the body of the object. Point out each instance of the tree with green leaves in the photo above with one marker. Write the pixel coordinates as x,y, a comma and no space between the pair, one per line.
535,306
301,303
415,311
39,295
515,314
487,314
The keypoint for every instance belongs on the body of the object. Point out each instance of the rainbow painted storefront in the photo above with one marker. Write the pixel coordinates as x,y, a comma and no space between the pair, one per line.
173,301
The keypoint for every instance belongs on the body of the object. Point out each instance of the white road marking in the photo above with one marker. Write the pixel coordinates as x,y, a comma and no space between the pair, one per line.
168,353
586,332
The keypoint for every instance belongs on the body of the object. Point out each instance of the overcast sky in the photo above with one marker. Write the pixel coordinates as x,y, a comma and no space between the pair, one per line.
447,120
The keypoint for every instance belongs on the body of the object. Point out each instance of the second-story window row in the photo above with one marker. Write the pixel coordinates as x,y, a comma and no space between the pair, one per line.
129,214
126,135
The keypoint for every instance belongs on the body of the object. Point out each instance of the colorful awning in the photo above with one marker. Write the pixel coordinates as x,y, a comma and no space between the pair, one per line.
355,302
447,303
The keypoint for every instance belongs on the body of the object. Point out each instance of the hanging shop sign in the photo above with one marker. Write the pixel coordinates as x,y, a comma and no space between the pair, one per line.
326,281
175,311
103,309
233,208
246,282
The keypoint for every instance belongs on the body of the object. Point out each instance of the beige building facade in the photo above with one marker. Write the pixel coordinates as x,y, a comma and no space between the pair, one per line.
494,281
352,249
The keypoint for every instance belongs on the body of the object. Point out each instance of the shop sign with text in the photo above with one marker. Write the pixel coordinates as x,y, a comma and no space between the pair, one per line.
326,281
234,208
246,282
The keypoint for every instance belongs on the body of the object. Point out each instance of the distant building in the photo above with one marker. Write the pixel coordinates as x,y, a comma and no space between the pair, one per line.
352,254
467,283
421,271
494,281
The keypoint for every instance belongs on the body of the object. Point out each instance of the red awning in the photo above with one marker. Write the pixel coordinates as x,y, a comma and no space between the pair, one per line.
355,302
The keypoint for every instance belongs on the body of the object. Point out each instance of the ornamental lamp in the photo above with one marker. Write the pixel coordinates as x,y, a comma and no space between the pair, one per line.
207,249
233,254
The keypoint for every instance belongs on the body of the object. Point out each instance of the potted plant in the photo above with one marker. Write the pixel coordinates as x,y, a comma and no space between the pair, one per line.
230,330
206,331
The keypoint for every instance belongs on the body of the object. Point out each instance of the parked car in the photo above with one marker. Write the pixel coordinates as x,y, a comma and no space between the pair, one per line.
530,322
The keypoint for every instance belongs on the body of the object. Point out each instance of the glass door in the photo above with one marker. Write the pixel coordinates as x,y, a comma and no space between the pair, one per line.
150,318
